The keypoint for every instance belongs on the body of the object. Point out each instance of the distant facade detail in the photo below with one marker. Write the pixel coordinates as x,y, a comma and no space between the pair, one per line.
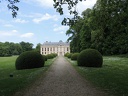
59,48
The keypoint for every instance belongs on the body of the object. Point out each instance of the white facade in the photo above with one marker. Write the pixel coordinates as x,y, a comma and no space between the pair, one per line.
59,48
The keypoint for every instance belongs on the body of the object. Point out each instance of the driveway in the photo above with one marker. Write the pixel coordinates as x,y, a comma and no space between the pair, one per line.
63,80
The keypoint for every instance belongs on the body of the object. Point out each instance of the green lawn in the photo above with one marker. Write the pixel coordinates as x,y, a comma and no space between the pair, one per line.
112,77
21,78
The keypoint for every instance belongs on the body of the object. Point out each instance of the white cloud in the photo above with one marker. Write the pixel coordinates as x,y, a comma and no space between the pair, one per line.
2,21
44,3
27,35
81,6
8,25
20,21
44,18
14,31
55,25
61,32
8,33
61,28
41,3
85,4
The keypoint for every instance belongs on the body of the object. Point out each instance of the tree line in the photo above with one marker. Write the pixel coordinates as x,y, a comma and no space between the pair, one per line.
10,48
104,27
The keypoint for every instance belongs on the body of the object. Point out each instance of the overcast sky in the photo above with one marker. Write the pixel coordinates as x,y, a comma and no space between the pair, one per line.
37,22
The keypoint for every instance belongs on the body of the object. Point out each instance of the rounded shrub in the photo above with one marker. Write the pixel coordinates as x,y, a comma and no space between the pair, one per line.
74,56
45,57
50,56
54,54
90,58
66,54
29,60
69,55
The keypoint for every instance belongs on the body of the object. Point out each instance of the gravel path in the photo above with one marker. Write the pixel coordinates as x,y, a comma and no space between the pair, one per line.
62,80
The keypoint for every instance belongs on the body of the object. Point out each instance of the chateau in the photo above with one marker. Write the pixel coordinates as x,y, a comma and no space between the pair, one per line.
59,48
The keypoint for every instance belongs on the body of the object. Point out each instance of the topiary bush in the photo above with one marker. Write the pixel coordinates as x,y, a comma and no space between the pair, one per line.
74,56
69,55
49,56
29,60
66,54
90,58
54,54
45,57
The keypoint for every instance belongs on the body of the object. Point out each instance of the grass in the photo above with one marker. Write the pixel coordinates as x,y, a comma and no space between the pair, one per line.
21,78
112,77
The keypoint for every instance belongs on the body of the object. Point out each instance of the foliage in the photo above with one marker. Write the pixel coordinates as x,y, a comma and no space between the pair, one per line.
50,56
112,77
12,6
104,27
10,48
29,60
66,54
21,78
26,46
54,54
71,5
45,57
69,55
38,48
90,58
74,56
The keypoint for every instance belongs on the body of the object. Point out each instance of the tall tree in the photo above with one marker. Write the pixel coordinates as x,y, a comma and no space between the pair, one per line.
26,46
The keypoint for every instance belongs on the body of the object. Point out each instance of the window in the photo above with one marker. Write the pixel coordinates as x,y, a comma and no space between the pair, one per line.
67,48
53,48
45,49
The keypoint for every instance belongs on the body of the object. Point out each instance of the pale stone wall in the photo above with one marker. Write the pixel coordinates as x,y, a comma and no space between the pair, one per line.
59,48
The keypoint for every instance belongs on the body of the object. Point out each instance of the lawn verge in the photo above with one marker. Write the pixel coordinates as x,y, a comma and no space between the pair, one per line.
21,78
112,77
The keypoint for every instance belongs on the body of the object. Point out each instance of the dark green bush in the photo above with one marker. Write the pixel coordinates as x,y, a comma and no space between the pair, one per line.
90,58
29,60
74,56
66,55
45,57
52,55
69,55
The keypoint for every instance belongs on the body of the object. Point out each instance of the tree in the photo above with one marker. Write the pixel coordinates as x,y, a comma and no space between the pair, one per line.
104,28
72,10
13,7
26,46
38,48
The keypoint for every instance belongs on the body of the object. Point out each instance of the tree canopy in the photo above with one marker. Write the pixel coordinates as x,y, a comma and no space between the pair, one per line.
10,48
105,28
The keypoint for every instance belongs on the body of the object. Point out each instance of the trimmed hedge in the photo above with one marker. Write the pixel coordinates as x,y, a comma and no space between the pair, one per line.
74,56
52,55
90,58
66,54
69,55
45,57
29,60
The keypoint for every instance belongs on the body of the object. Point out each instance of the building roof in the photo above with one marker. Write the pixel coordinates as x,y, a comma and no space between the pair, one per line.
60,43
